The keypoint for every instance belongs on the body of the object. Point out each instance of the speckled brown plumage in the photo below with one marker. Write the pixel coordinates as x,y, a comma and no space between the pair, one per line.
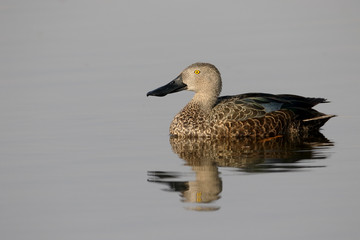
226,121
251,114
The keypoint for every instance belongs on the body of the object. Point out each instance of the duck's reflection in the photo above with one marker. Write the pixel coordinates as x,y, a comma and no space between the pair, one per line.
249,155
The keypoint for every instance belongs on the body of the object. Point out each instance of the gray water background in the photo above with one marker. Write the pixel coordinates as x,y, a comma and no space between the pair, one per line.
78,135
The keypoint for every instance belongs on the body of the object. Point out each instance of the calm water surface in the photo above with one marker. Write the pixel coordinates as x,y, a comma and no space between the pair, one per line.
85,155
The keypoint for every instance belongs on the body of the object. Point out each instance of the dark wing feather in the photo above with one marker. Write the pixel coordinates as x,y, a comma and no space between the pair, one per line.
254,105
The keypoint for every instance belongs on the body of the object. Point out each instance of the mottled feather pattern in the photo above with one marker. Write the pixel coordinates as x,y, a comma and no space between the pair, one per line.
234,117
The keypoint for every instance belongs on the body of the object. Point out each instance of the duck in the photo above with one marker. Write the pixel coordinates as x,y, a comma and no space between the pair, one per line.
264,115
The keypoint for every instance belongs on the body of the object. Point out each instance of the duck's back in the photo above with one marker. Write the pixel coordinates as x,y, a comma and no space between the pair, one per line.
262,114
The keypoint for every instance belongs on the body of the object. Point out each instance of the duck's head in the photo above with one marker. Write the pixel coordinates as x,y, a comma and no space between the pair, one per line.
202,78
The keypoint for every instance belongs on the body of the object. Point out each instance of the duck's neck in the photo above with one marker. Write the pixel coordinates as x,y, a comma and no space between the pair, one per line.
205,101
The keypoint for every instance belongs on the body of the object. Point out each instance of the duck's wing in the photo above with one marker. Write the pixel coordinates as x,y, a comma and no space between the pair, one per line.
239,108
256,105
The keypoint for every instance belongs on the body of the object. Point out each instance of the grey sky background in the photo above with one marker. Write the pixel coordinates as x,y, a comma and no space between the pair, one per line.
78,133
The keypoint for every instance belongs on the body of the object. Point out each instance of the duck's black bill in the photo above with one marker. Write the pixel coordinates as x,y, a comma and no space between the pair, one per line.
175,85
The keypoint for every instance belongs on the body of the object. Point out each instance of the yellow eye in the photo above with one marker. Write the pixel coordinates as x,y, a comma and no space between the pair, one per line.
197,71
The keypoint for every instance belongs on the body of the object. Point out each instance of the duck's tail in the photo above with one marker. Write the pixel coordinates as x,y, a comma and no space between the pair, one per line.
315,123
309,119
